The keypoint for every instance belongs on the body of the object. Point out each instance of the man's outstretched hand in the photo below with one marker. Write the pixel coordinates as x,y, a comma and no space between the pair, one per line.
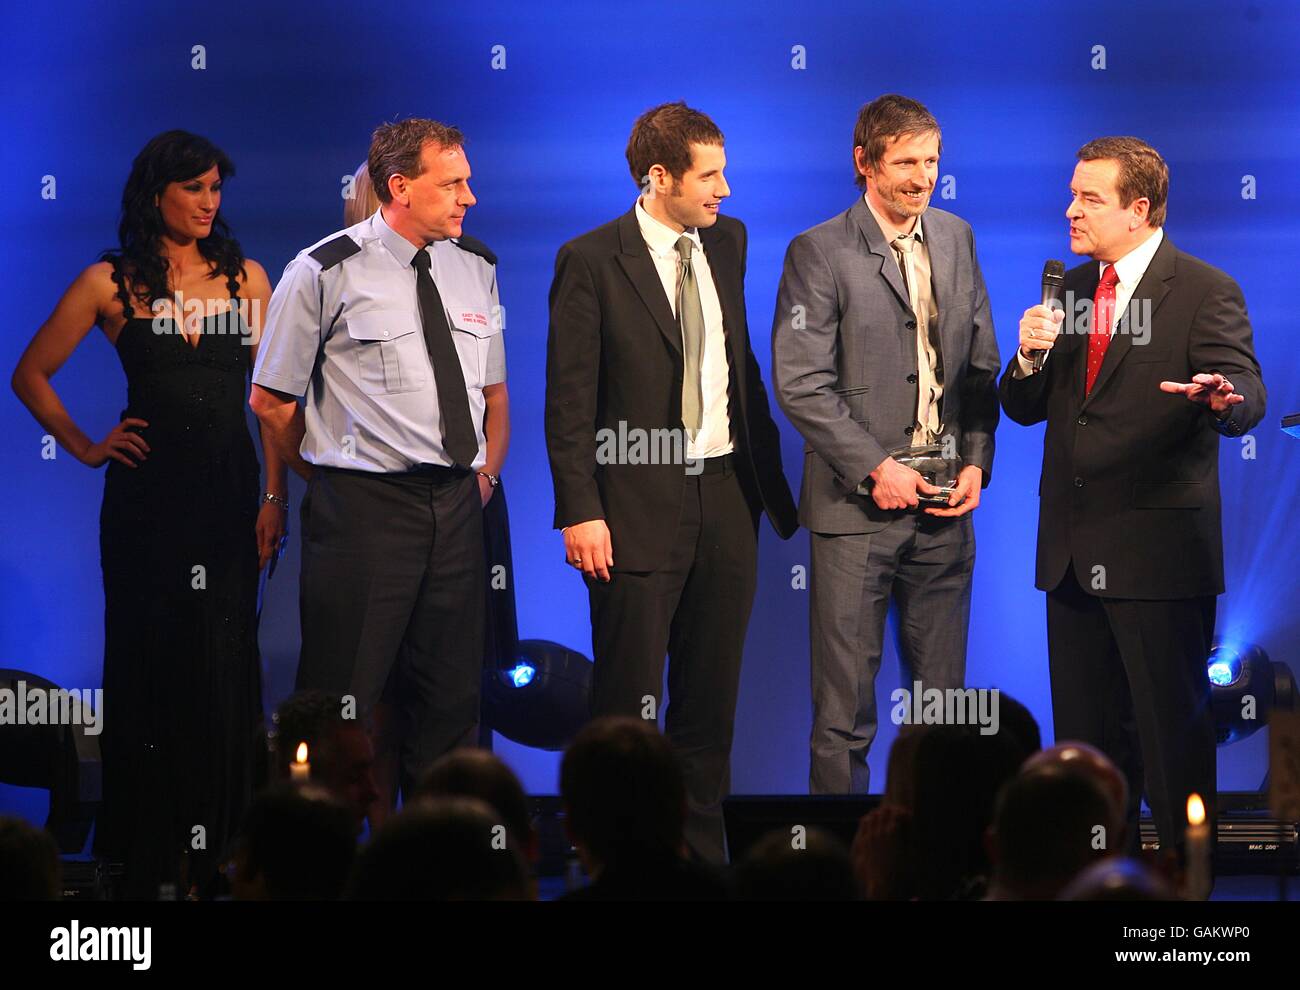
1211,390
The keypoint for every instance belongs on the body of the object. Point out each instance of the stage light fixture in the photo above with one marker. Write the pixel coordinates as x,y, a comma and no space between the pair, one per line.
1245,686
1225,667
542,698
522,674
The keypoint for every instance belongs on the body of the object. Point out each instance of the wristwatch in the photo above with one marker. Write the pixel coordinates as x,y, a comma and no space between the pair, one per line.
493,479
279,500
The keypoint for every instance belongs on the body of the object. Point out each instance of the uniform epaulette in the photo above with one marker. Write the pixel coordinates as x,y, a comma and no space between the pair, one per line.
474,246
332,252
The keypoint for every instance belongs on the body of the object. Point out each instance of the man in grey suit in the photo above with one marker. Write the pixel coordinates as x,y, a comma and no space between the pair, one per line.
882,340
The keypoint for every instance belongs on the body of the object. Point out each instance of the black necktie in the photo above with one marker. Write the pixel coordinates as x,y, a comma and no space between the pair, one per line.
459,438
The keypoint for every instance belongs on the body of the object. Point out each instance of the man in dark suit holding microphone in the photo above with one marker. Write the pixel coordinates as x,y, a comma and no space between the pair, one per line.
1151,362
663,449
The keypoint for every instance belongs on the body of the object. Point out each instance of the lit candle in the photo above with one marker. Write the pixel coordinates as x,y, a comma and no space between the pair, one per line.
300,769
1196,882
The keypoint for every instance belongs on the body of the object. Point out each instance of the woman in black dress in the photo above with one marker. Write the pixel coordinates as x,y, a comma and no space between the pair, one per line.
185,526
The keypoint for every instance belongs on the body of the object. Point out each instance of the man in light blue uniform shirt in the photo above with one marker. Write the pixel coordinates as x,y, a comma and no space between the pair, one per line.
392,332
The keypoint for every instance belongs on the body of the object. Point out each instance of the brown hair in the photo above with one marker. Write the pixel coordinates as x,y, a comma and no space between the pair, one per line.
1143,174
883,119
395,150
663,135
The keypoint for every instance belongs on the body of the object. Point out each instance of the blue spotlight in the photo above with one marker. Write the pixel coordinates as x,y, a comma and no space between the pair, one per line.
522,675
1245,686
540,696
1225,666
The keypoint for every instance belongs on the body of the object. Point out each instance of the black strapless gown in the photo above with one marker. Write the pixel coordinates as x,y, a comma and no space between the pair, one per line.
182,686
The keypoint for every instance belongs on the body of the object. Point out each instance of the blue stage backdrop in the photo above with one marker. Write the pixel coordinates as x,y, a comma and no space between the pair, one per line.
546,94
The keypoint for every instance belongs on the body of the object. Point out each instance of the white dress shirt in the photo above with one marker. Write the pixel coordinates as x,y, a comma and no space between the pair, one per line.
714,437
1129,269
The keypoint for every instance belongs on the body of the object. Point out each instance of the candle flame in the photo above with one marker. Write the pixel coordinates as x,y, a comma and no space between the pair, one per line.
1195,810
301,755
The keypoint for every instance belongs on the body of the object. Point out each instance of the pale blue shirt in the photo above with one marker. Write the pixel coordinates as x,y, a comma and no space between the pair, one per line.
347,335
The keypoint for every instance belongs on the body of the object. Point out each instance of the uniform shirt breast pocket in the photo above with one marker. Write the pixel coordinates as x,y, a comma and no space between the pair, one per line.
389,349
473,326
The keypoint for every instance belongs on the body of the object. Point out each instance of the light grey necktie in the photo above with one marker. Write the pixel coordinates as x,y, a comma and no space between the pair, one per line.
690,314
918,289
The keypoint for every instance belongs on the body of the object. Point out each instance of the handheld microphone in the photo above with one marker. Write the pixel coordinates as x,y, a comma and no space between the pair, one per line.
1053,280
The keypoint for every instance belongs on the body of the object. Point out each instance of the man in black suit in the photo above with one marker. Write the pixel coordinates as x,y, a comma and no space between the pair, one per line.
663,449
1151,362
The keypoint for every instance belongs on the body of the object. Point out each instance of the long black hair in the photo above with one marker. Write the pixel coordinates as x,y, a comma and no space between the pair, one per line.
173,156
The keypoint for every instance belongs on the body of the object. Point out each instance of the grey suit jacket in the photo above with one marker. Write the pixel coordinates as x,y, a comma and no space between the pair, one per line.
844,358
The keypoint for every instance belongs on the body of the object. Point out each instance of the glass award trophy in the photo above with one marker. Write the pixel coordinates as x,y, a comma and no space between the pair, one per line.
929,462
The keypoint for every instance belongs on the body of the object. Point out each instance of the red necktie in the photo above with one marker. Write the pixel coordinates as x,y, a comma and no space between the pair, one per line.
1103,316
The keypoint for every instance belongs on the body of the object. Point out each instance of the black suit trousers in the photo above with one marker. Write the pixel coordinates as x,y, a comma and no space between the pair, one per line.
694,609
1130,677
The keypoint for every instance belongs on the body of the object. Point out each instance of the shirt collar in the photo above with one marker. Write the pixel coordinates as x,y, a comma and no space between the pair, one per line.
891,232
659,237
1133,265
401,249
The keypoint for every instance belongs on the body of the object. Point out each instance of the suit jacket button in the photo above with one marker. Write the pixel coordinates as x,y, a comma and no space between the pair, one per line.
1078,482
911,379
911,324
1083,420
908,431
